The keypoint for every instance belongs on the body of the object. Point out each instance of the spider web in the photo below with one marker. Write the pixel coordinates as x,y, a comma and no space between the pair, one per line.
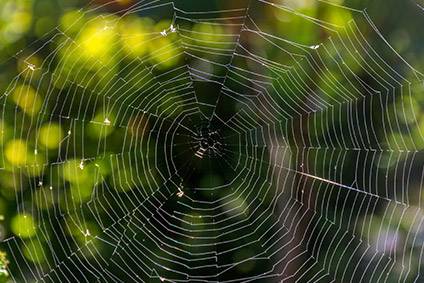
230,151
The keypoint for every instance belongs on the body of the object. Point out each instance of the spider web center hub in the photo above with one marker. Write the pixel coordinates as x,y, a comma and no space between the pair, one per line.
205,159
208,142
